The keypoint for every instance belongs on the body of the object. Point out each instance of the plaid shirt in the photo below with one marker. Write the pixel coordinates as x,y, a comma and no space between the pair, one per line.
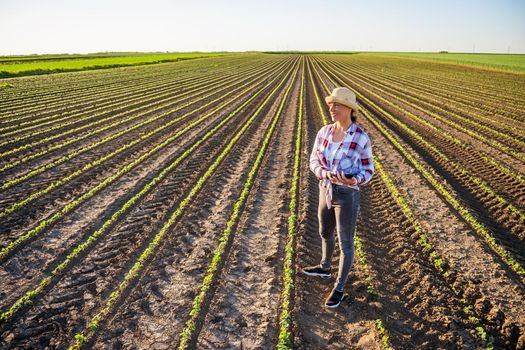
354,156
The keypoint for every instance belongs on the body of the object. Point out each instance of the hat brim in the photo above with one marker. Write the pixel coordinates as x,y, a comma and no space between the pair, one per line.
349,104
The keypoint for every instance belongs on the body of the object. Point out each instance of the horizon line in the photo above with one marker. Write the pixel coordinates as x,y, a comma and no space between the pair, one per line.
260,51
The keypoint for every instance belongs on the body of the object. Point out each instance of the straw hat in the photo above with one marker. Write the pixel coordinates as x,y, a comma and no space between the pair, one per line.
344,96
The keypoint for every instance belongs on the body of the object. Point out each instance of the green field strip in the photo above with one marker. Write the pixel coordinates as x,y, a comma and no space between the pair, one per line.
25,69
447,135
474,223
360,254
160,93
396,88
14,181
189,94
134,272
23,59
29,297
285,317
508,63
46,57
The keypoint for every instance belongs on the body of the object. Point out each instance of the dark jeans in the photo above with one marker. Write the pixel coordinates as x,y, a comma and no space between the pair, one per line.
343,217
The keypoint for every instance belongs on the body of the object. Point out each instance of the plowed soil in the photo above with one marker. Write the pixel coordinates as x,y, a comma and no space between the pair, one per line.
68,246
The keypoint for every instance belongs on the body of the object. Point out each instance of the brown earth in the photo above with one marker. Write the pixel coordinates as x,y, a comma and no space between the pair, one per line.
419,307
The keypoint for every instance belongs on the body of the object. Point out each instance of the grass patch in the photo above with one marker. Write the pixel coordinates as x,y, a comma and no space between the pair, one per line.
506,62
33,65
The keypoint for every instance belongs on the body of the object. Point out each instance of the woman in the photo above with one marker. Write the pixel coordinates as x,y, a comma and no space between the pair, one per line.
342,161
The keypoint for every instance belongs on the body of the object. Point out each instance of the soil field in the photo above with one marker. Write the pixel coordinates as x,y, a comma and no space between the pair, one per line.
171,206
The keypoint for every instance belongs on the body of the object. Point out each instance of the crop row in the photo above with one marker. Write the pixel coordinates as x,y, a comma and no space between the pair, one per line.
161,97
43,224
439,262
476,225
113,136
94,101
123,209
151,249
457,95
221,251
499,87
360,254
481,189
193,95
453,139
285,318
41,90
418,97
490,141
97,103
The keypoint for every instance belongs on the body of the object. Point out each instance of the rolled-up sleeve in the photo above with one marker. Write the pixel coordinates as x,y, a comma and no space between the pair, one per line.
315,163
366,169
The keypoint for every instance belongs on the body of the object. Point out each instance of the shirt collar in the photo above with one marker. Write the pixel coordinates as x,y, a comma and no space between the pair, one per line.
351,129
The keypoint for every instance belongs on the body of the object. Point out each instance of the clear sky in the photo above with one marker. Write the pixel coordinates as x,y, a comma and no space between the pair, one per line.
73,26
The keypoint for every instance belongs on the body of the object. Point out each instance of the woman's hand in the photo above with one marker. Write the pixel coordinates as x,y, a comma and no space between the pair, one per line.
331,175
344,180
